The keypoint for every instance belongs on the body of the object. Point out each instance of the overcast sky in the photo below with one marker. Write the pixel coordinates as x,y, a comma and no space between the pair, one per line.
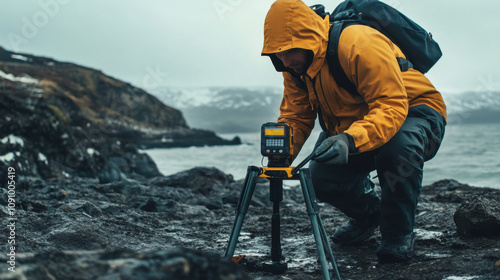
180,43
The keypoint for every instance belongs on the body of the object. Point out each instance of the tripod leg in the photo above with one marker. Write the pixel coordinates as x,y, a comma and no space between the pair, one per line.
317,225
324,237
241,208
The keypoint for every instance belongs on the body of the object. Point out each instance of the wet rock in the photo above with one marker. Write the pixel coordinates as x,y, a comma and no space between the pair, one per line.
478,216
126,187
150,206
211,204
83,206
200,179
260,196
35,206
178,263
124,229
452,191
109,174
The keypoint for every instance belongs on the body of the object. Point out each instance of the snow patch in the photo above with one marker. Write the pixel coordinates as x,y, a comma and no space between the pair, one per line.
20,57
427,234
42,157
167,140
9,156
12,139
25,79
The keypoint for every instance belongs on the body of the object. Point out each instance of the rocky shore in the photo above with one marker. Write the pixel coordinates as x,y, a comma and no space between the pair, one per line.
61,120
177,227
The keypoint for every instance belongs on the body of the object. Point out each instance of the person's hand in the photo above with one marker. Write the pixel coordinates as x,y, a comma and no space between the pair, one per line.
334,150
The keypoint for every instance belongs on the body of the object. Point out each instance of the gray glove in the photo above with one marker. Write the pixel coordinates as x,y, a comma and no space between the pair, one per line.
334,150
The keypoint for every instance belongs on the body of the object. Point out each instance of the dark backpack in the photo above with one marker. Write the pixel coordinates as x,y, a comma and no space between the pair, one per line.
421,51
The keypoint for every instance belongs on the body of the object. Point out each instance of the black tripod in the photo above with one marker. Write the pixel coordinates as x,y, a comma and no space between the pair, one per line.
276,175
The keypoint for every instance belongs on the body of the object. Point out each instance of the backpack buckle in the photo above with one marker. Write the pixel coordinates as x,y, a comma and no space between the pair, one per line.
404,64
320,10
345,15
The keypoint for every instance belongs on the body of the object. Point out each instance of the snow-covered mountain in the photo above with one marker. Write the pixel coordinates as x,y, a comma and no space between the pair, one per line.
473,107
233,110
224,109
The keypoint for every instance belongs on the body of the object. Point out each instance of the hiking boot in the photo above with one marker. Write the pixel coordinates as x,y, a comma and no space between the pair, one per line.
396,249
356,230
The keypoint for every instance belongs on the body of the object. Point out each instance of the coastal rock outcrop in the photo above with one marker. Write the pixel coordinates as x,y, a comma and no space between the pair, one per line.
61,119
478,216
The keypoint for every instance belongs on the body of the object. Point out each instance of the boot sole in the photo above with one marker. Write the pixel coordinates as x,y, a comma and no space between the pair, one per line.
390,258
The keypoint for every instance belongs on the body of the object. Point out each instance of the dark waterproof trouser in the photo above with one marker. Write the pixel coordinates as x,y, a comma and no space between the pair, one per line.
399,164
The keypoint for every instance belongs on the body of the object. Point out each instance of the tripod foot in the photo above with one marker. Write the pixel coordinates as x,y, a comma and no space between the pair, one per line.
274,267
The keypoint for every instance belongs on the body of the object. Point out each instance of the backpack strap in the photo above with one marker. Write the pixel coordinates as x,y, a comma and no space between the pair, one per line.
404,64
339,22
333,61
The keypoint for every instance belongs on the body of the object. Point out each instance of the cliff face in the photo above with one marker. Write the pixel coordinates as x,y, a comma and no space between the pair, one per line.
80,95
61,119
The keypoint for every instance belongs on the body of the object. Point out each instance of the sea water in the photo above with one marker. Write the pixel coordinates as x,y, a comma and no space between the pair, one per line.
469,154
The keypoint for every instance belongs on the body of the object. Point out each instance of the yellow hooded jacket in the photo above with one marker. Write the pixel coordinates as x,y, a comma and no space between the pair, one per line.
369,60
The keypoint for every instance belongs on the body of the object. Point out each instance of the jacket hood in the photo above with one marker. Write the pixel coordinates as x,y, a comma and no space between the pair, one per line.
291,24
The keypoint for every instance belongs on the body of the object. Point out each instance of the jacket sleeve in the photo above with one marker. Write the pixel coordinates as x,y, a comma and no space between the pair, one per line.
369,60
296,110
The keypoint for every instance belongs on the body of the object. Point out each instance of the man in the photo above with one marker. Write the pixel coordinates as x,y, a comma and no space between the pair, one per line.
394,124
